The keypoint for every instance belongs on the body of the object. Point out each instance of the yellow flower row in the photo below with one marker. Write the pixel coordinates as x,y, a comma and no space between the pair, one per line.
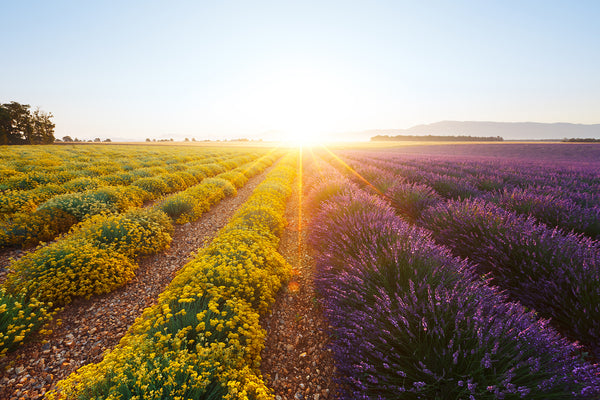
99,255
61,211
96,258
24,167
202,340
189,204
26,182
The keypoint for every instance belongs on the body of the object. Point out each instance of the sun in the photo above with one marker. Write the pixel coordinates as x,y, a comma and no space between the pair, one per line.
299,137
302,103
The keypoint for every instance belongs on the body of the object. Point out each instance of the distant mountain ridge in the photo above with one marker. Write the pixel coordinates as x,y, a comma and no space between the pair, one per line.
507,130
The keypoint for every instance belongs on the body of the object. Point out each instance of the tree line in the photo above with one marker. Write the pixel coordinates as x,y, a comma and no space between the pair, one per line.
69,139
437,138
20,125
581,140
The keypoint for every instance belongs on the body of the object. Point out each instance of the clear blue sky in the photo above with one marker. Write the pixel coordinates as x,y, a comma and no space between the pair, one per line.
227,69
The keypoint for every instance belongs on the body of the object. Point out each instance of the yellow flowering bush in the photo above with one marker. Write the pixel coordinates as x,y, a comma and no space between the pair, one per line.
19,317
95,258
174,182
188,179
183,207
187,346
26,181
213,190
236,177
69,268
153,185
191,203
212,169
133,233
202,339
260,214
6,172
81,184
91,202
58,214
13,201
245,264
26,230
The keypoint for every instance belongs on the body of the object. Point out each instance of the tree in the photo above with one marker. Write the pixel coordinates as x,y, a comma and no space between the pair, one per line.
98,140
43,128
5,125
67,139
107,140
18,125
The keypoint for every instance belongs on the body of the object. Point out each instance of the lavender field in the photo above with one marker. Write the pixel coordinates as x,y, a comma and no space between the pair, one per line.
460,271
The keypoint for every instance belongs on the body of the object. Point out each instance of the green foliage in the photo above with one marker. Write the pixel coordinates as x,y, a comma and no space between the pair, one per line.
19,125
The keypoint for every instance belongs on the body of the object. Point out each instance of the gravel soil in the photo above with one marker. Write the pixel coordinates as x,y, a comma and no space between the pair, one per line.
296,362
85,329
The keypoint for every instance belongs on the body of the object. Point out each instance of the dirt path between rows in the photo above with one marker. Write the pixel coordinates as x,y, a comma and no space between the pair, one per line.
296,362
90,327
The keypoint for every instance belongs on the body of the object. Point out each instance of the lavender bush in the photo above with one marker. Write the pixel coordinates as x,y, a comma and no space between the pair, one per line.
555,273
410,199
550,210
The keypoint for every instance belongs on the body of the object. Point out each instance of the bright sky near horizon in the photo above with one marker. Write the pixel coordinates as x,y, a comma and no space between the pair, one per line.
273,69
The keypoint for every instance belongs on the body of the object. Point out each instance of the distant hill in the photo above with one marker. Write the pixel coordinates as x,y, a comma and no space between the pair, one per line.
506,130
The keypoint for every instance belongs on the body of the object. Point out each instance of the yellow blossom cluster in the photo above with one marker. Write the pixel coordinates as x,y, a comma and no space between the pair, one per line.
202,339
19,317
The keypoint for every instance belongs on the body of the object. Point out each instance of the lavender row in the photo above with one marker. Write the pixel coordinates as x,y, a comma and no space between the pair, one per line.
580,184
566,207
499,173
550,209
412,321
548,270
555,273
